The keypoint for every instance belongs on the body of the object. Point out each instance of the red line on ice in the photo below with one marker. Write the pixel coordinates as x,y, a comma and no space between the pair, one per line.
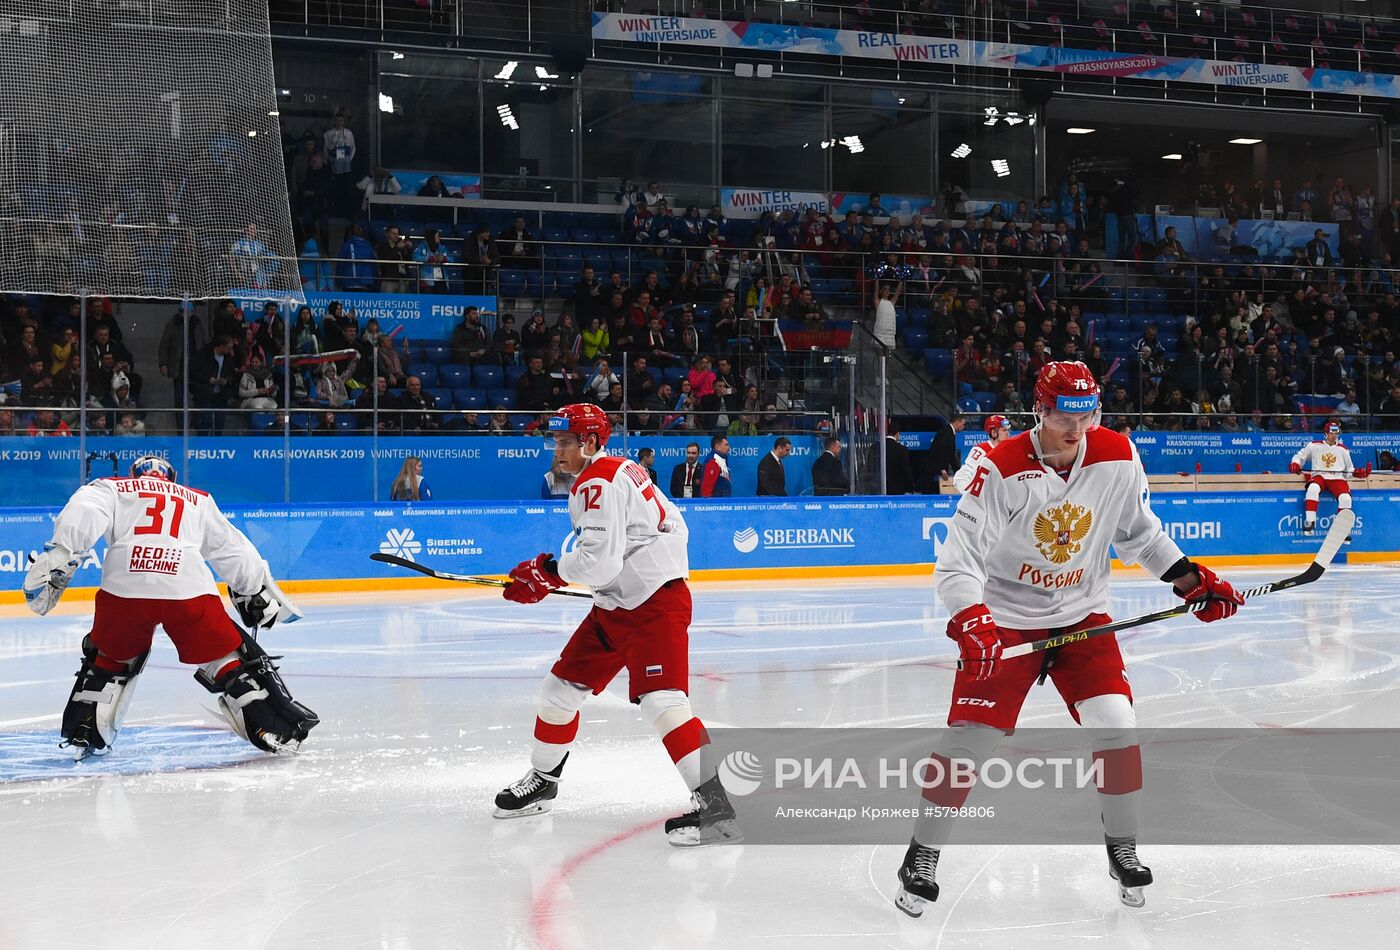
1371,893
542,911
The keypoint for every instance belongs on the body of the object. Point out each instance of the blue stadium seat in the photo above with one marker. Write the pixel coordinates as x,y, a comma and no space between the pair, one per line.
347,422
513,374
1119,341
968,404
259,421
454,375
488,377
939,362
985,401
443,397
915,341
501,397
432,351
426,372
674,375
474,399
1120,324
655,375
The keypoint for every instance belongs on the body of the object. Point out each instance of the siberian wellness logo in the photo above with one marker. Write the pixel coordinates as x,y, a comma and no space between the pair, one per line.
748,539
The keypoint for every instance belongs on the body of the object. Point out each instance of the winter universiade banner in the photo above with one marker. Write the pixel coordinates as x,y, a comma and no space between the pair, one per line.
334,541
823,41
249,470
422,316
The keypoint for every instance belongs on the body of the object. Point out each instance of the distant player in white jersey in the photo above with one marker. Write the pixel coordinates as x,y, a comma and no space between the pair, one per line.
1027,558
998,430
159,535
630,547
1329,464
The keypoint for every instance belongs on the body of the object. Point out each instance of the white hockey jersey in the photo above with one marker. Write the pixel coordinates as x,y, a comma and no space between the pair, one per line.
1323,459
159,536
629,538
1034,547
964,475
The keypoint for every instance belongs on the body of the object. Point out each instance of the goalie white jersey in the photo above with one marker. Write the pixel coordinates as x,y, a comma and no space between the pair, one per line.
159,535
1323,459
1034,547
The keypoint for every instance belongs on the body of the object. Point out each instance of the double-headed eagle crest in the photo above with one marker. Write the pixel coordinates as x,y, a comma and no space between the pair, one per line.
1328,460
1060,531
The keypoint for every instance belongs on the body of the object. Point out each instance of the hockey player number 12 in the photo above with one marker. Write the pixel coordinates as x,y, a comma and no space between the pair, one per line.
155,514
591,494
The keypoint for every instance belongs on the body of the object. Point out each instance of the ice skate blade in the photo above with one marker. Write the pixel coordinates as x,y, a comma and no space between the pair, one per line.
83,752
911,904
537,808
1131,896
721,832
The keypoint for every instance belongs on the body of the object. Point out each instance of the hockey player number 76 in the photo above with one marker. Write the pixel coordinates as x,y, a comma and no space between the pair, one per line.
155,514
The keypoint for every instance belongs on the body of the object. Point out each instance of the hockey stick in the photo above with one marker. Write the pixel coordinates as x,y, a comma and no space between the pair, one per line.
461,578
1341,527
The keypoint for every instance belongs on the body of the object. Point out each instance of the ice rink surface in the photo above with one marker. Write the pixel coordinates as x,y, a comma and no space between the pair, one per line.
379,835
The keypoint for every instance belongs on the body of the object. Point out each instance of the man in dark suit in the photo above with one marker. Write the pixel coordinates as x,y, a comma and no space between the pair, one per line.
944,458
686,476
772,480
828,477
646,458
899,473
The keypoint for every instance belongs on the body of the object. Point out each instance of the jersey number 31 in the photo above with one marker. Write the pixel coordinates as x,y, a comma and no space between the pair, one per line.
155,514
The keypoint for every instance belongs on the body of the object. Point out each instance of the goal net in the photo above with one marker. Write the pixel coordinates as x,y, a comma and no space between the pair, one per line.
140,151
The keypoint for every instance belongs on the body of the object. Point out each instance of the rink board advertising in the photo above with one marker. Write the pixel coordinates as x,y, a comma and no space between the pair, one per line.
1198,786
309,542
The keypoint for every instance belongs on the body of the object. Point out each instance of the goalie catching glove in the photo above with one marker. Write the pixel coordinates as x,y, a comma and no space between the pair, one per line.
48,577
268,606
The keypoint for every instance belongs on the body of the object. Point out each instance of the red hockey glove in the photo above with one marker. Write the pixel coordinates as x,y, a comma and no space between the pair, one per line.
1295,468
1223,599
979,644
531,581
1364,472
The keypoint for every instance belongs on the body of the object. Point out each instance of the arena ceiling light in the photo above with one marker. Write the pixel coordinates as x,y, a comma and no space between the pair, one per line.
962,151
507,70
386,103
1002,167
542,73
1172,157
853,143
1080,131
507,117
1245,141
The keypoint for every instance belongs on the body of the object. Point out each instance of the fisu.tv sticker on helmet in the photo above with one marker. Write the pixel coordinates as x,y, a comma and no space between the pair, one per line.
1077,403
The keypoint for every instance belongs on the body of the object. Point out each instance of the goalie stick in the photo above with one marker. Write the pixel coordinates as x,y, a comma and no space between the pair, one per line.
1341,527
461,578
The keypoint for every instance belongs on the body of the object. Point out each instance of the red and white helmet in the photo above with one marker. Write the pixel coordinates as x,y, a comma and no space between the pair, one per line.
582,419
1068,388
1333,429
994,423
152,466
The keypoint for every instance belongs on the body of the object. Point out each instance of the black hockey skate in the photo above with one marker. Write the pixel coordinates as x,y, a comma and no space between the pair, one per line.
711,821
1125,868
1308,528
531,795
916,884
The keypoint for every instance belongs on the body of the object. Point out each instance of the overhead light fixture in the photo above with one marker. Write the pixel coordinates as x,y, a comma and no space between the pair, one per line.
542,73
962,151
386,103
507,117
252,133
397,55
1080,131
1172,157
1245,141
853,143
274,113
901,100
1002,167
507,70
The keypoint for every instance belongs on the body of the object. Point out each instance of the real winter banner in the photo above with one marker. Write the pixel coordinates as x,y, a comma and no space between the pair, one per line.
822,41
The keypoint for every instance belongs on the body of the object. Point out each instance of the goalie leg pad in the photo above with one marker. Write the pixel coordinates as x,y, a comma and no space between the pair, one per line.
256,702
98,703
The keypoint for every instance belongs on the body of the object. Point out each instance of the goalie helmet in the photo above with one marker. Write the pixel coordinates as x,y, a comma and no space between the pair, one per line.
152,466
582,419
